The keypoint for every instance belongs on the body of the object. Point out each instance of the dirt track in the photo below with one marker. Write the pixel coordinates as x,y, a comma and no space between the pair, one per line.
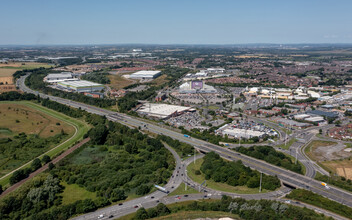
45,167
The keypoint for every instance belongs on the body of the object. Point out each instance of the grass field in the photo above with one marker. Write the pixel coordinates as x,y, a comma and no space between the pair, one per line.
21,118
118,81
73,193
181,190
80,129
217,185
340,167
11,67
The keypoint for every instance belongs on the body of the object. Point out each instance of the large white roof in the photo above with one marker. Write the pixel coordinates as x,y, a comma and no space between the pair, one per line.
59,75
161,110
80,83
145,73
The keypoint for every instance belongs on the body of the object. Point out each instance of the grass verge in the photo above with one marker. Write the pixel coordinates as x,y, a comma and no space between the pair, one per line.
181,190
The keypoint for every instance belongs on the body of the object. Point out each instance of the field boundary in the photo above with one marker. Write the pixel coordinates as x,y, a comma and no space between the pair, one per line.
45,167
79,132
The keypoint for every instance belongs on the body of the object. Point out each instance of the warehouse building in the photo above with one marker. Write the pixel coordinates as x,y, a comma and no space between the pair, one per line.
323,113
242,133
81,86
145,74
58,77
162,111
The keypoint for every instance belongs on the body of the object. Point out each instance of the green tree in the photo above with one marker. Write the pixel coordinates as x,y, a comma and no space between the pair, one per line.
46,159
36,164
141,214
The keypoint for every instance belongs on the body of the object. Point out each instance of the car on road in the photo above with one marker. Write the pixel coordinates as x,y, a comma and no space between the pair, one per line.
120,204
111,216
136,206
186,196
152,197
101,216
157,201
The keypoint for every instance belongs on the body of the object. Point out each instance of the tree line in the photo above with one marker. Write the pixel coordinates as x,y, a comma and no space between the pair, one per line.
270,155
320,201
246,209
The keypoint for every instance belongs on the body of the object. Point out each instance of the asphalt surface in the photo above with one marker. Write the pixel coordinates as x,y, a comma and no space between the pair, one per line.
287,177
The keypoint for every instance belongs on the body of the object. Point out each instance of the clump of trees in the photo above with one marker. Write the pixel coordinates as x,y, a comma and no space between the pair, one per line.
182,148
270,155
235,173
98,77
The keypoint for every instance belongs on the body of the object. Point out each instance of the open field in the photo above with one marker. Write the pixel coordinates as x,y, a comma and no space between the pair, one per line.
117,81
79,126
16,118
340,167
321,150
217,185
73,193
160,80
11,67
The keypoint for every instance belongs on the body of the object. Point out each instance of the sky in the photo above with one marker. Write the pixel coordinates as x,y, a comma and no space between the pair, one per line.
40,22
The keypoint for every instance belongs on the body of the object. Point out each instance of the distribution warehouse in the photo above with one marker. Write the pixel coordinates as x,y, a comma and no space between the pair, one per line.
58,77
145,74
162,111
81,86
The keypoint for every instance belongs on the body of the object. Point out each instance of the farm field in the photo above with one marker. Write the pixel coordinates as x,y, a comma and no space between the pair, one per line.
340,167
49,143
7,69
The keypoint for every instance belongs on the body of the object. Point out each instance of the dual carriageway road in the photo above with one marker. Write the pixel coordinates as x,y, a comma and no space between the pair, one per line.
287,177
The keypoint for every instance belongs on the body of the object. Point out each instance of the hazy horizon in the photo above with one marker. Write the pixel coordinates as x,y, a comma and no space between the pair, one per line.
181,22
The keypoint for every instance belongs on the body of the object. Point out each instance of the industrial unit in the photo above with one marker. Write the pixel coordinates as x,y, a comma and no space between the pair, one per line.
58,77
162,111
144,74
81,86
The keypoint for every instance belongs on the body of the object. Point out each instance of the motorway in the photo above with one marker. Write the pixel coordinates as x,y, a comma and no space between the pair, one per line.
287,177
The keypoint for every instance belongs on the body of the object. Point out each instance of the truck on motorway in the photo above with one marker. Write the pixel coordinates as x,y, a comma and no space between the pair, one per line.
162,189
186,135
326,185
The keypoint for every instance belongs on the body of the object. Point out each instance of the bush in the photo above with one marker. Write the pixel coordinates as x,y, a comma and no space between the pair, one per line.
46,159
36,164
